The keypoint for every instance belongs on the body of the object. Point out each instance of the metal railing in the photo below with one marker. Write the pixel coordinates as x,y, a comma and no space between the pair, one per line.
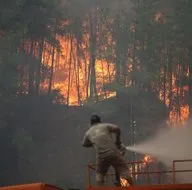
174,171
147,173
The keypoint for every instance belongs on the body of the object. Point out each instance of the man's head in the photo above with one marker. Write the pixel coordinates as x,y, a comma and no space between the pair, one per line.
95,119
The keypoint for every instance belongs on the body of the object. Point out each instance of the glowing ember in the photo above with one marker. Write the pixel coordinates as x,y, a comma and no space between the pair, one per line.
158,16
124,182
147,159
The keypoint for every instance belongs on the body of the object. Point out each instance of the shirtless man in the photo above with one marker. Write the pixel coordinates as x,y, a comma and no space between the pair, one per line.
108,154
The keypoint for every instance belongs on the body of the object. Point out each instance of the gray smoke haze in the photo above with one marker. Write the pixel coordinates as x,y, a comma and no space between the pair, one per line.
173,143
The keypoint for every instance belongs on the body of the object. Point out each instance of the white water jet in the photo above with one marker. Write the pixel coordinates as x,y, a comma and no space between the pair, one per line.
168,145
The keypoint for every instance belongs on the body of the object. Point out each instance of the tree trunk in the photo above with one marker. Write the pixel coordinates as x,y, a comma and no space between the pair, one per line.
51,74
164,89
170,70
38,75
103,77
31,71
69,77
77,67
93,23
190,81
118,65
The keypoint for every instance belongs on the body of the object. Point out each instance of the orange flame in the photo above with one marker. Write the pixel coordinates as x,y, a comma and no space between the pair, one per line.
147,159
124,182
71,71
158,16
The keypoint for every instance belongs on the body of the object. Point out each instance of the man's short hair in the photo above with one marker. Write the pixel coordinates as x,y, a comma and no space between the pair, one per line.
95,119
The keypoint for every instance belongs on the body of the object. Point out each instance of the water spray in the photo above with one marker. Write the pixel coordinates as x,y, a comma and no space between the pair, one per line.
173,143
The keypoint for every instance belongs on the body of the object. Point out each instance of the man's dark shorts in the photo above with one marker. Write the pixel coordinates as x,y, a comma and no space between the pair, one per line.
117,161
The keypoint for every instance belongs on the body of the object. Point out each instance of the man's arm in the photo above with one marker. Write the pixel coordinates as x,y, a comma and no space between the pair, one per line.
115,129
86,142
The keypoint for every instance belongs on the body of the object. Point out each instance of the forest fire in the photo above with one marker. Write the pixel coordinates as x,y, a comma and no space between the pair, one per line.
59,58
177,114
71,72
71,76
69,67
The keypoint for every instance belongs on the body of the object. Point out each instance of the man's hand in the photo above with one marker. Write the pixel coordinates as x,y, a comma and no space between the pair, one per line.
123,149
86,142
118,144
